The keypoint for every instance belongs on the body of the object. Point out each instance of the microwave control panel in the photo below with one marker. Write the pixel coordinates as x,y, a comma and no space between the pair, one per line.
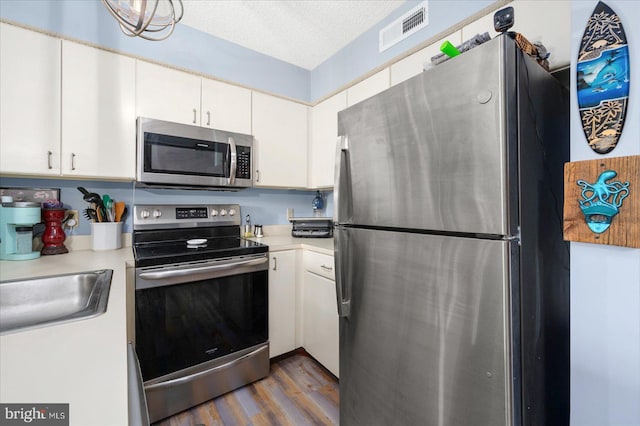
243,170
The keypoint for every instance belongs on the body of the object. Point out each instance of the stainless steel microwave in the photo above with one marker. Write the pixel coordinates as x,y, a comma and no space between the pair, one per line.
173,154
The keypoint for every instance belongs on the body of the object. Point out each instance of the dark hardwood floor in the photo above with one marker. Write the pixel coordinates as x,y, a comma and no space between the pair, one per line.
299,391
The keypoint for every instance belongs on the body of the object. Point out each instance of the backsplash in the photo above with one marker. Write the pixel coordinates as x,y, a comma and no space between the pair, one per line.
266,206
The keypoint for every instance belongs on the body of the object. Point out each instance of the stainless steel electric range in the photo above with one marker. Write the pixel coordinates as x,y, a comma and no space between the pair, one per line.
201,304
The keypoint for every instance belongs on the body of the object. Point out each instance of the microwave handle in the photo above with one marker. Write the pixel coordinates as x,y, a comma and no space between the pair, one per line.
234,161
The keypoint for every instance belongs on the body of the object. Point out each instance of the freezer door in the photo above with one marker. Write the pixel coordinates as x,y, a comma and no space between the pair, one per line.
425,339
430,153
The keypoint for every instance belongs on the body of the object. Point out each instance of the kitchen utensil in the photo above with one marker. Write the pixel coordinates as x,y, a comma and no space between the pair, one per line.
124,214
119,210
247,227
90,214
257,231
92,197
108,207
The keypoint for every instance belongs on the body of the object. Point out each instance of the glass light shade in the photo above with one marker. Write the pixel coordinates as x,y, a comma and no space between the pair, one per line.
149,19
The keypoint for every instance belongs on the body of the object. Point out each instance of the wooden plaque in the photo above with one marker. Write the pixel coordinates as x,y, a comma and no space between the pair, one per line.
593,189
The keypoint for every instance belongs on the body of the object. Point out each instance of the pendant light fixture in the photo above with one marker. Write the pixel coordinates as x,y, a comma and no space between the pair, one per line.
150,19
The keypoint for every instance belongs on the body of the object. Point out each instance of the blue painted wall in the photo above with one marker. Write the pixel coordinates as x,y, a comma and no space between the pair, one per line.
89,20
605,280
362,55
266,206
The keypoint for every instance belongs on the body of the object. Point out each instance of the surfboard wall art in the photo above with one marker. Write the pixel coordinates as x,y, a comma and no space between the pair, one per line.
603,79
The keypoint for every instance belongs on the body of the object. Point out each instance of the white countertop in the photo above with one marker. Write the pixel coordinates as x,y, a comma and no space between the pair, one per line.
281,241
83,363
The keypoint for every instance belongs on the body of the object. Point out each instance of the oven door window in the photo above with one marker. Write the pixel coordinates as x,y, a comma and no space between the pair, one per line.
184,156
183,325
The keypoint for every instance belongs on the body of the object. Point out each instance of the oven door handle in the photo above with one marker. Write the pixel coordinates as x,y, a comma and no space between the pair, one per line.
161,275
186,379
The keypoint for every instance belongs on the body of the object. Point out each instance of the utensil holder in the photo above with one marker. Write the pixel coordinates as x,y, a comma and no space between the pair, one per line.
106,235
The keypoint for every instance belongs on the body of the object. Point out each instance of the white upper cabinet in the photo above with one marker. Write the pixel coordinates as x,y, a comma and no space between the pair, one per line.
280,132
29,102
98,112
545,21
322,140
413,64
225,107
167,94
368,87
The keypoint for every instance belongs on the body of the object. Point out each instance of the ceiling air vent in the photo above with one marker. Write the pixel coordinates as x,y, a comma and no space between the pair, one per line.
403,27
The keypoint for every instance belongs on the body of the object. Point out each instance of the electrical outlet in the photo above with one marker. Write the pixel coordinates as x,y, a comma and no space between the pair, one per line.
72,219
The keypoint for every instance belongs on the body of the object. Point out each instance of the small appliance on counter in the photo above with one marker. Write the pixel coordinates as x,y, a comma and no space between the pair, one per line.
16,229
312,228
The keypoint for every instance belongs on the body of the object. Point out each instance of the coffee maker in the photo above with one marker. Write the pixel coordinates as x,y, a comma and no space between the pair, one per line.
16,230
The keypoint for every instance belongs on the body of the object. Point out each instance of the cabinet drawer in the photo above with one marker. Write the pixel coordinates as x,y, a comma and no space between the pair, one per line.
320,264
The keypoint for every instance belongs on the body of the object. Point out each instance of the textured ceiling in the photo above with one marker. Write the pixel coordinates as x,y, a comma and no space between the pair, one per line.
301,32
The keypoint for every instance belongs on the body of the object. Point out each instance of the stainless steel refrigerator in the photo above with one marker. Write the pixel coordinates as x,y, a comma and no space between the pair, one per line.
452,276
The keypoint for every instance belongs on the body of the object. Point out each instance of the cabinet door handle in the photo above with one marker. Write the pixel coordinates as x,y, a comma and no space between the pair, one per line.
257,175
326,268
208,118
49,154
73,161
194,115
275,263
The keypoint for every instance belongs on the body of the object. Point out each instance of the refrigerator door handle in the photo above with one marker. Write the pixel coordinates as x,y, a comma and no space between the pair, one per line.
344,303
342,184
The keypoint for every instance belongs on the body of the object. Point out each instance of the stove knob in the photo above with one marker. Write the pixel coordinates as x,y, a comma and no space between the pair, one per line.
223,212
214,212
232,212
144,213
157,213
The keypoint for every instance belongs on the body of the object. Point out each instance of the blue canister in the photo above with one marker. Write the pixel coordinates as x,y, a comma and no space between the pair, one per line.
318,204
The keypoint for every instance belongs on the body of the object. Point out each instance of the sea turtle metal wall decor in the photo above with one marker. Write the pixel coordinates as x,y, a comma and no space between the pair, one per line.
603,79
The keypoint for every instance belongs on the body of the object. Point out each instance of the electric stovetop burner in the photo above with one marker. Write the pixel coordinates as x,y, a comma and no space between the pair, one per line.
168,234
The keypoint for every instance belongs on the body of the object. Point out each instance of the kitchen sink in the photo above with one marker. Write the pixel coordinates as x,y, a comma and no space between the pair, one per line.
44,301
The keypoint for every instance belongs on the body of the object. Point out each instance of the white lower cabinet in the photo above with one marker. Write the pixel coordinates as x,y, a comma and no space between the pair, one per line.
282,302
320,312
